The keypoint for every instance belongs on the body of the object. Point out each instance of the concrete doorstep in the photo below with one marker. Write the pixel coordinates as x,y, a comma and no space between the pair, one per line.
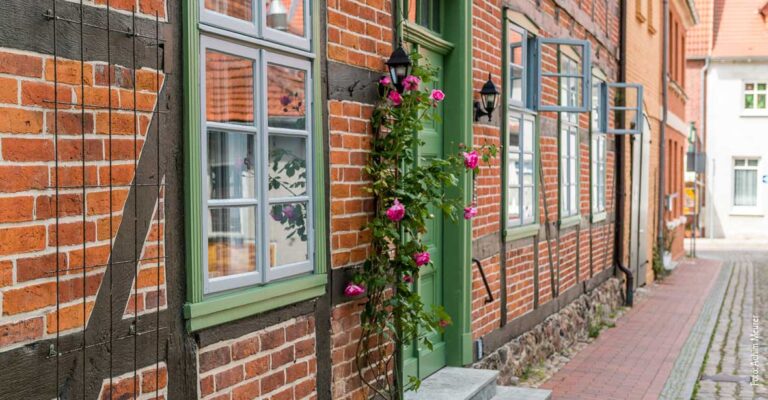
453,383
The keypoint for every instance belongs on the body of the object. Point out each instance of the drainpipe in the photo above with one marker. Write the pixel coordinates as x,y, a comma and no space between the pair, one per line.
663,132
703,129
618,242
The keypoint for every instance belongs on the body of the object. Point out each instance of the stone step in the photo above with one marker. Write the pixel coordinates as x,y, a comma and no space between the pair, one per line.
521,393
451,383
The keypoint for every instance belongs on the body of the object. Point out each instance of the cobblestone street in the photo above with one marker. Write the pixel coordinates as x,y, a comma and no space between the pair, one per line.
735,364
699,334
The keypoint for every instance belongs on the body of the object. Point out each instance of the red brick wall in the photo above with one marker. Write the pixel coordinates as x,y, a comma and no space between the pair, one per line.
278,362
28,233
571,243
147,383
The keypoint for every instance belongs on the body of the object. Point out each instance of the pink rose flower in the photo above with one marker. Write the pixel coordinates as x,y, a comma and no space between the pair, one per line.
470,212
421,258
407,279
471,159
353,290
385,81
411,82
396,212
443,323
395,98
437,95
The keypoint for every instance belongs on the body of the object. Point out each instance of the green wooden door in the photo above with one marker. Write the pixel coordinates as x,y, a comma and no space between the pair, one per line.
418,359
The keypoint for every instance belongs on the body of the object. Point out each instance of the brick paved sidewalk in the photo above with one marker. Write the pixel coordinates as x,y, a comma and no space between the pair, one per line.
634,359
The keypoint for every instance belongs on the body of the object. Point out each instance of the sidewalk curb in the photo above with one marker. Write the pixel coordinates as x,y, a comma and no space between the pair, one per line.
685,373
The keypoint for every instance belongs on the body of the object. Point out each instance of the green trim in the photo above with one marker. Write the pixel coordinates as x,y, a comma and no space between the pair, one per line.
206,311
231,306
425,37
601,216
568,222
532,229
457,239
521,232
193,191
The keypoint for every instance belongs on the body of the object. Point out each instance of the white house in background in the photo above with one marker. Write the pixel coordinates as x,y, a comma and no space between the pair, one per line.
727,67
737,149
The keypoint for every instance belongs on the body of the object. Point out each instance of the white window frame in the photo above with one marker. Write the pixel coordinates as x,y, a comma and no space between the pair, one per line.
746,209
257,28
755,92
582,103
598,151
569,147
261,57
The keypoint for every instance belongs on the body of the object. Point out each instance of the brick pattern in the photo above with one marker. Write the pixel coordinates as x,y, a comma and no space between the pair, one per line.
359,32
30,141
143,8
149,383
150,294
278,362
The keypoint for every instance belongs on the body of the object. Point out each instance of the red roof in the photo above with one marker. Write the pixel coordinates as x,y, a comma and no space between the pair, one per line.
729,28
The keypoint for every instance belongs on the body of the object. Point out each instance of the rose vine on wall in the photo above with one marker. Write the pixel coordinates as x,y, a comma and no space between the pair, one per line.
408,189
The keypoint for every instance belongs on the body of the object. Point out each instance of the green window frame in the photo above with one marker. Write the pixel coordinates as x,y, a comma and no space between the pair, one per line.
269,284
598,153
425,13
569,141
521,137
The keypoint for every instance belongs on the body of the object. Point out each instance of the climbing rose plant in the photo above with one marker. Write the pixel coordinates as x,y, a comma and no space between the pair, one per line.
408,189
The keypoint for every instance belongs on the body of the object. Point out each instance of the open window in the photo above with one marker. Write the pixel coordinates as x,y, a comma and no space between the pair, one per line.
623,103
563,63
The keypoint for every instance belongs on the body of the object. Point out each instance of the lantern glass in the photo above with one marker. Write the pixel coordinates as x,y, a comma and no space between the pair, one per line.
490,101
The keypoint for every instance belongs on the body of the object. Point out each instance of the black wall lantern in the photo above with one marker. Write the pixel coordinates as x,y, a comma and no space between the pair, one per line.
399,65
489,96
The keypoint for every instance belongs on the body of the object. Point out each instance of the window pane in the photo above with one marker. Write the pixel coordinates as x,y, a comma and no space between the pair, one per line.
516,84
231,241
749,101
228,88
514,170
288,234
752,163
572,190
740,162
287,167
761,86
286,16
514,134
240,9
749,86
286,97
528,169
761,101
528,205
745,187
231,173
514,205
528,137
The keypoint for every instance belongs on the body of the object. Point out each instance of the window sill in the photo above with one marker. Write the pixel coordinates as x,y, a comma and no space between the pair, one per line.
568,222
599,217
754,114
226,307
746,212
521,232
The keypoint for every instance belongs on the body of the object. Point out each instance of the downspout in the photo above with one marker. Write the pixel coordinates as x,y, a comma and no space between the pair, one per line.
703,128
663,131
618,242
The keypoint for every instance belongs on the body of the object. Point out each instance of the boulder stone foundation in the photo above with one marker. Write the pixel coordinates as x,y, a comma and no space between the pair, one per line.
556,334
